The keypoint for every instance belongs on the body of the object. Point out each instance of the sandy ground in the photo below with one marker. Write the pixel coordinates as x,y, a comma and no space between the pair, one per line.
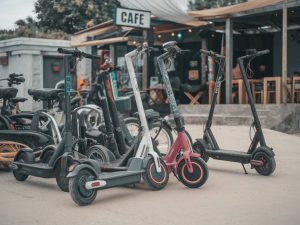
228,197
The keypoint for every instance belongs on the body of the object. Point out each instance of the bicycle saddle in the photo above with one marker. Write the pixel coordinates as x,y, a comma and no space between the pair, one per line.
45,93
151,114
8,93
18,99
193,88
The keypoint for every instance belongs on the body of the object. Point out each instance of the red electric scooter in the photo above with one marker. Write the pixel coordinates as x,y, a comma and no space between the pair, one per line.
186,165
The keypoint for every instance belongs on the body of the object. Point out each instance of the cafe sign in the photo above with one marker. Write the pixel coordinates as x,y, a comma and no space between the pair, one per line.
132,18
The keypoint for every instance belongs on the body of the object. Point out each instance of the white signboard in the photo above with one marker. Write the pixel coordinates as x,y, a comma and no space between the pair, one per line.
132,18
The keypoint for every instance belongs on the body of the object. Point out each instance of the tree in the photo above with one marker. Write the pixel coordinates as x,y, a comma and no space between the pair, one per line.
207,4
71,16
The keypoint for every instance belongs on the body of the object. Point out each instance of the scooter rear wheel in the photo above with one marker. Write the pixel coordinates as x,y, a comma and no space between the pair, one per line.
199,175
100,153
269,163
80,195
152,178
24,157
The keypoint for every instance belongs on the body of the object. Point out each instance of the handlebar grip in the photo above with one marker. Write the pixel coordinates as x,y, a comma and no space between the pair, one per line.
183,51
77,53
65,51
13,75
259,53
19,79
263,52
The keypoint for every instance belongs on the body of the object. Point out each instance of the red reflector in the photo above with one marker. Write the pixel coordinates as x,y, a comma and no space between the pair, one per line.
11,126
95,184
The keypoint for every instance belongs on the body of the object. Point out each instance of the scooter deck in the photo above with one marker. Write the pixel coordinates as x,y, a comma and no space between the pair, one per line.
120,178
229,155
34,169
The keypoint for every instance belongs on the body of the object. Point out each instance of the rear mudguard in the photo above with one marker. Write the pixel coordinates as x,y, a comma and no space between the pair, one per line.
47,148
265,149
22,150
191,155
203,143
88,165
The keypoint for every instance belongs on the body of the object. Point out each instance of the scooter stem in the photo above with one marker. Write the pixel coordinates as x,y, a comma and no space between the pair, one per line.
139,103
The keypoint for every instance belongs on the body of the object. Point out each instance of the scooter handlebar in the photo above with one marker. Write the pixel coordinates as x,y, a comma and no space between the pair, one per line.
211,53
256,54
77,53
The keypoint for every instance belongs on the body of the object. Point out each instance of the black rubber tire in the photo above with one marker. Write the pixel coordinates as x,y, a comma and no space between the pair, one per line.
198,177
198,148
62,182
166,130
154,180
269,163
134,121
79,194
99,153
25,157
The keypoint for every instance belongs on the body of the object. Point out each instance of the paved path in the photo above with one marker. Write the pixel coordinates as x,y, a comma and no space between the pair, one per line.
229,196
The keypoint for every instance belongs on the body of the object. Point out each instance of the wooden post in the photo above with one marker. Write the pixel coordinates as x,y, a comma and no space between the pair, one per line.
284,53
229,52
145,64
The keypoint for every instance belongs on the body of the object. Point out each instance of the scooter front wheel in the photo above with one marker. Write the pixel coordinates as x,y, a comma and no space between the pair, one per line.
152,178
24,157
199,175
269,163
80,195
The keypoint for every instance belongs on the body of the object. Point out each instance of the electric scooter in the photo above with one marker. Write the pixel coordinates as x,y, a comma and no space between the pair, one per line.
186,165
53,161
86,179
261,158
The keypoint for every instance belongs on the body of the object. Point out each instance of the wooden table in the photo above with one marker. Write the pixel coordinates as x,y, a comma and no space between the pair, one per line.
277,91
295,91
241,90
255,93
157,95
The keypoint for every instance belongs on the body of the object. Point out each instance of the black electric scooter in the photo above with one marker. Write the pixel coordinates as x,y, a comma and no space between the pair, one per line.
261,158
53,160
86,179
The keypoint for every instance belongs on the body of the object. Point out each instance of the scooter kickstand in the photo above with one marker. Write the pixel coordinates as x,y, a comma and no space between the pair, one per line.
244,169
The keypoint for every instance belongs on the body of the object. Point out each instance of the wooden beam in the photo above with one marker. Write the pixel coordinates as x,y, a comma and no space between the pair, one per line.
284,53
102,42
229,53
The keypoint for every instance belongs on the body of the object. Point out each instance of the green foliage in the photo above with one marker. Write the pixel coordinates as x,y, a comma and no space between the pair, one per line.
71,16
29,28
207,4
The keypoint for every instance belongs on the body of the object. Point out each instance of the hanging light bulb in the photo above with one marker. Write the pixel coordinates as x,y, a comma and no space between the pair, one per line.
173,34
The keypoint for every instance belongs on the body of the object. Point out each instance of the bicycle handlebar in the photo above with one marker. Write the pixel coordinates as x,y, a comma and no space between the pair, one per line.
211,53
256,54
77,53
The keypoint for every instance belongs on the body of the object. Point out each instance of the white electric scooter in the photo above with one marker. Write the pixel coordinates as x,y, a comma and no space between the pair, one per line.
86,176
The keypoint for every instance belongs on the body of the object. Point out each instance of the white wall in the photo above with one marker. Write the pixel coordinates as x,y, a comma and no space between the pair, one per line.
26,57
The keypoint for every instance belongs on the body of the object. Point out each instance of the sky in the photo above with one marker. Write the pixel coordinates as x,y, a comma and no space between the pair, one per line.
12,10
